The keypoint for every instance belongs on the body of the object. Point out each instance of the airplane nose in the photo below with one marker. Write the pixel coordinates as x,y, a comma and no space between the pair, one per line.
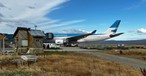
114,35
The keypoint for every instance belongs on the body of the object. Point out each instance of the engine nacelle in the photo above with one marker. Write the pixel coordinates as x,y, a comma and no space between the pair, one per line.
59,42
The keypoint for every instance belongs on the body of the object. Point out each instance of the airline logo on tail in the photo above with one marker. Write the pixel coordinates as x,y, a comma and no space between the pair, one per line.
113,28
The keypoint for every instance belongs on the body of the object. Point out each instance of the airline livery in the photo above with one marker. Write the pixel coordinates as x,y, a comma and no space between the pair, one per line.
69,39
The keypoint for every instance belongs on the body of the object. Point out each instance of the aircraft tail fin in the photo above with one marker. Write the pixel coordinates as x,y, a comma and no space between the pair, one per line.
113,28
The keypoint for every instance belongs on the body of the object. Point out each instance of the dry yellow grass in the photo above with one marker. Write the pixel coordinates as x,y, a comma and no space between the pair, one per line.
70,65
5,57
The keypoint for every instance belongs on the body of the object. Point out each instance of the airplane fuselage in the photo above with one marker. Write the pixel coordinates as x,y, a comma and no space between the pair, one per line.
94,38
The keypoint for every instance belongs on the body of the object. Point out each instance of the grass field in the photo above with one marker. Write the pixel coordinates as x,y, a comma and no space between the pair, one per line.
66,64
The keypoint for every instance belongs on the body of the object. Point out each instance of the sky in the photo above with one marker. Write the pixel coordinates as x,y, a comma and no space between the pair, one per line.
79,16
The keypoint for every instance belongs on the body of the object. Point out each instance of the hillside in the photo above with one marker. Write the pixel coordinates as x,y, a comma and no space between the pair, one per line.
120,42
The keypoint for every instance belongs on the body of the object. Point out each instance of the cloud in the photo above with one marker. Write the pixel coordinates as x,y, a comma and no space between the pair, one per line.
142,31
27,13
1,5
31,7
1,15
62,24
41,10
137,4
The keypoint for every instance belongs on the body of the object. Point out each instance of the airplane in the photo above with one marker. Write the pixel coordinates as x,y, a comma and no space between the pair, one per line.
70,39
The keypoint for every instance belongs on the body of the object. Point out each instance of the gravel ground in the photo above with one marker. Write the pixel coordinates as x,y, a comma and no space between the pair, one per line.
136,63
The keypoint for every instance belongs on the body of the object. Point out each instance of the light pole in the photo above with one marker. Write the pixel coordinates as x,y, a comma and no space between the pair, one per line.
4,43
0,46
35,27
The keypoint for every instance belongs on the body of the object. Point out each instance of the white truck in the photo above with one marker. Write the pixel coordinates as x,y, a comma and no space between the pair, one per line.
51,46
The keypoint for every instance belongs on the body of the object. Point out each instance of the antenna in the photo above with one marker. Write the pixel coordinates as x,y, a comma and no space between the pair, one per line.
35,26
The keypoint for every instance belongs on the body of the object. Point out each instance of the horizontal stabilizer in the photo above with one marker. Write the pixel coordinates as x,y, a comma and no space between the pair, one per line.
114,35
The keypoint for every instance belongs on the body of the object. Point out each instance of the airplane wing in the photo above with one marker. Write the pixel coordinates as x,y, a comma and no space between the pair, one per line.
75,38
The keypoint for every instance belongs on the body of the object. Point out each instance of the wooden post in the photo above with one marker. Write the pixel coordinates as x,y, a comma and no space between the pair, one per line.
143,71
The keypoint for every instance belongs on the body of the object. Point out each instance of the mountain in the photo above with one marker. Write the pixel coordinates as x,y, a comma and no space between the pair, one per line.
143,41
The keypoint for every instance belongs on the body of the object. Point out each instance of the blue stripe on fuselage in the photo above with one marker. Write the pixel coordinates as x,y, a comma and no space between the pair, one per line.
66,35
69,35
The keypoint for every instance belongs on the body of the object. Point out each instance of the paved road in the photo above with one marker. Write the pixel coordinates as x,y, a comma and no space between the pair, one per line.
136,63
70,49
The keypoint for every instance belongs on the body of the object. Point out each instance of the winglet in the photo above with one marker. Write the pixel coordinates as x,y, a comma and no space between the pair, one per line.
93,32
